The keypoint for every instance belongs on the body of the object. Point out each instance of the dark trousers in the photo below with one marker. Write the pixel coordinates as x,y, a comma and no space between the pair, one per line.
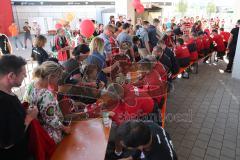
220,54
183,62
231,56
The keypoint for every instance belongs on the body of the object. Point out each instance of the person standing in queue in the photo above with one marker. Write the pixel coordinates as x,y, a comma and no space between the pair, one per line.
231,47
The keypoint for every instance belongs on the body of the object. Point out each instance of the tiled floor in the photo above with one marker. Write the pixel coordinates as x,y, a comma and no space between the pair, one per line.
203,115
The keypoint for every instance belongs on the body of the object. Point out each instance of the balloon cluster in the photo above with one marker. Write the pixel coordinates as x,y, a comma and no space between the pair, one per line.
68,18
138,6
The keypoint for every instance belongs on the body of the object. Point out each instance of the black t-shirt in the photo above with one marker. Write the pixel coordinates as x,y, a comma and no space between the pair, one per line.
27,29
178,31
161,147
174,63
12,128
3,44
234,32
166,61
39,54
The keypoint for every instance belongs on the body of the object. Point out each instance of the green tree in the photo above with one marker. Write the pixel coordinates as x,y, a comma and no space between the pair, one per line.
182,6
211,8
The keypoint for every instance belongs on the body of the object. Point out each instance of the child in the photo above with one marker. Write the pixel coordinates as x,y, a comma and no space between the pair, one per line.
191,45
220,47
182,53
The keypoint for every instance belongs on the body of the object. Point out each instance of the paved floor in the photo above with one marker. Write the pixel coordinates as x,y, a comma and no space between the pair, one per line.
203,115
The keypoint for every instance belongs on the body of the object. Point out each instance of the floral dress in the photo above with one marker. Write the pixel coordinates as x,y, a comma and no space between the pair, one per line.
49,111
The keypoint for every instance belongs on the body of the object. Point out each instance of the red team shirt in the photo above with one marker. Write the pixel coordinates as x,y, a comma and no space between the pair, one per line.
154,84
182,52
206,42
225,36
220,44
199,44
137,103
193,54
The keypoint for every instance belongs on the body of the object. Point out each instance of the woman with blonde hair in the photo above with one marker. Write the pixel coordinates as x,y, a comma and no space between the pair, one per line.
40,93
96,57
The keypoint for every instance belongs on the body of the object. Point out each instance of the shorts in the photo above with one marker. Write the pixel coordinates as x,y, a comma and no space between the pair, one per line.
27,36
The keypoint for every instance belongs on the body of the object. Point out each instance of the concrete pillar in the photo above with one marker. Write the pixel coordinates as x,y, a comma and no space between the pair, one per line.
125,8
236,65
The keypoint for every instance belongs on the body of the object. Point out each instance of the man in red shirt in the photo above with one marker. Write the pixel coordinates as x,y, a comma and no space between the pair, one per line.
132,103
225,36
220,47
183,56
199,44
207,44
153,79
192,47
168,39
182,53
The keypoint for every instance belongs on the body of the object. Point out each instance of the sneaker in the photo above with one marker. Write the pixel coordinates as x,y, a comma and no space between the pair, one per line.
185,75
17,49
23,48
228,71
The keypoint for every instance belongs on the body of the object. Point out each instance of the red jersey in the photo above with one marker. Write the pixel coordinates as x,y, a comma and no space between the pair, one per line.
199,44
182,51
220,44
207,31
137,103
225,36
206,42
192,47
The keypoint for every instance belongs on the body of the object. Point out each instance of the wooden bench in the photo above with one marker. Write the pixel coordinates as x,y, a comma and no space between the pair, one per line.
182,69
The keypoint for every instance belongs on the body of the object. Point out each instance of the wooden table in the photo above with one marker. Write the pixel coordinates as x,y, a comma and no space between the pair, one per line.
88,141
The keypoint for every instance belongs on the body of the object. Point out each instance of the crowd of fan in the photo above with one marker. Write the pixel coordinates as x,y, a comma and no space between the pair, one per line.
124,70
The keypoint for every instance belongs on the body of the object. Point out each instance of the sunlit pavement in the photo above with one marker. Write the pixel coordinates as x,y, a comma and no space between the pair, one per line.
203,115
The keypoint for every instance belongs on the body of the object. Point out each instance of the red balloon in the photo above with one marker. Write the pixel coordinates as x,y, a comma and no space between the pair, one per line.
135,3
58,26
87,28
140,8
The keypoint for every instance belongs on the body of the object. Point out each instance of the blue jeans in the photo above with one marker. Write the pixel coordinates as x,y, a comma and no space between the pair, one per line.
16,39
